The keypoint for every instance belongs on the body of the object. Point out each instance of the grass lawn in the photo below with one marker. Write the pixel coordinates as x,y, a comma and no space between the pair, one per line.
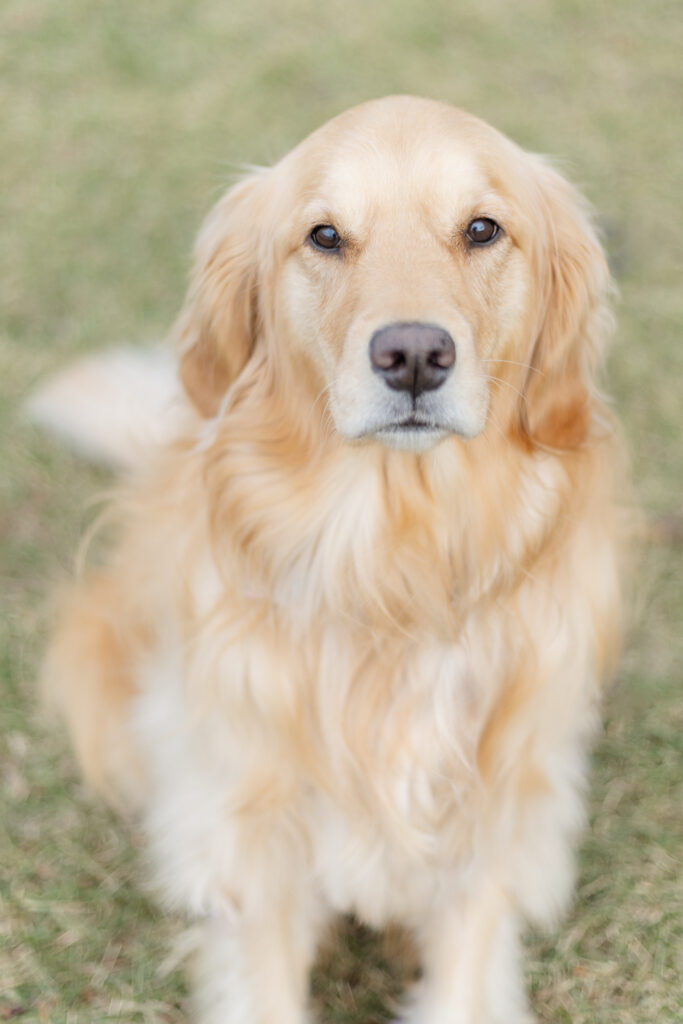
121,122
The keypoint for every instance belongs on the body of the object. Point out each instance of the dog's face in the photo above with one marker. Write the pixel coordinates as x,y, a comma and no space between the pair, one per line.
402,279
408,263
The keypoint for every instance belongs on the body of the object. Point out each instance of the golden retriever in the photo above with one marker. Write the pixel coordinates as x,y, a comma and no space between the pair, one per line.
347,653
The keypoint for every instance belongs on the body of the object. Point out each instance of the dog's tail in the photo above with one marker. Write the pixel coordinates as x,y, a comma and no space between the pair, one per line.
114,407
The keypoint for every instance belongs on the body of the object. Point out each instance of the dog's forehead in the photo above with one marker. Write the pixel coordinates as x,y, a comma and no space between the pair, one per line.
364,165
360,186
369,177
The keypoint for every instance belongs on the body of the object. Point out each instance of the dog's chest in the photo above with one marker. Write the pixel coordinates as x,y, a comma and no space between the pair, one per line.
379,740
356,755
383,758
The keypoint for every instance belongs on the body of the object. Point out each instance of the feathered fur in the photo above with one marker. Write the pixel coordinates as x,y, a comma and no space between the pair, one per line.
335,676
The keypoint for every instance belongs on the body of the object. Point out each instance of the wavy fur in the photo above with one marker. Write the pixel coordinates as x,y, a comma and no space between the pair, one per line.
338,677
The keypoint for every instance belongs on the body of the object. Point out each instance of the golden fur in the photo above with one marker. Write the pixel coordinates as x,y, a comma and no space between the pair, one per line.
338,676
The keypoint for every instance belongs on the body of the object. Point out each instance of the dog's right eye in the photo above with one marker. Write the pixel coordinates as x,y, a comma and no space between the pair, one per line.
325,237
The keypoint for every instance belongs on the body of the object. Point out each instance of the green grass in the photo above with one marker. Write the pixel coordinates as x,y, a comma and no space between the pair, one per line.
121,122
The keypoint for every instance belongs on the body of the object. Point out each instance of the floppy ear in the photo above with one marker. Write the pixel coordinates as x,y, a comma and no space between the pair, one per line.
556,411
217,327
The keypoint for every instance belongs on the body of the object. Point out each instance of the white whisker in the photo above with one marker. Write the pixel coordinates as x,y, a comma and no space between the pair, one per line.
499,380
492,419
513,362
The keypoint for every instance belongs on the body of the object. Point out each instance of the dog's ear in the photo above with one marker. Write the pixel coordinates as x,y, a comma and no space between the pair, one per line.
556,410
217,327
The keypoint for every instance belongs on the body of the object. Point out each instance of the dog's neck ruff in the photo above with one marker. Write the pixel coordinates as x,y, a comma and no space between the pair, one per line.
386,539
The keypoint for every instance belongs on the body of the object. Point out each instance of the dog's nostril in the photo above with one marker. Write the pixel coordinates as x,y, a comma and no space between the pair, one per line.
387,359
442,357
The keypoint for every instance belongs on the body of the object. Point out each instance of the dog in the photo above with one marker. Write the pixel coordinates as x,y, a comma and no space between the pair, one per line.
347,653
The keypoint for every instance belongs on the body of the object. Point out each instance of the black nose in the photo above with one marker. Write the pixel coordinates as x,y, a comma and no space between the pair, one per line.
412,357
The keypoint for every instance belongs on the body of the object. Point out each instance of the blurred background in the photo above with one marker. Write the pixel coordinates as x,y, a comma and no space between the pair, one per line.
120,123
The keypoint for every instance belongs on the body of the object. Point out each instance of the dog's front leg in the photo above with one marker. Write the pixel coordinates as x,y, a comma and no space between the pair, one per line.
253,964
472,974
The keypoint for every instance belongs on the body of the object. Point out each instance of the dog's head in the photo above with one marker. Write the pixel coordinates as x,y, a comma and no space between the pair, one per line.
412,271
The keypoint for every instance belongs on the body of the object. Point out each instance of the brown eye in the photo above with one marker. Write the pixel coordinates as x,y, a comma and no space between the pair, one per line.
483,230
325,237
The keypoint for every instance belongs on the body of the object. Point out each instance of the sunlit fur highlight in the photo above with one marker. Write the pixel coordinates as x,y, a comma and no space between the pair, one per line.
337,677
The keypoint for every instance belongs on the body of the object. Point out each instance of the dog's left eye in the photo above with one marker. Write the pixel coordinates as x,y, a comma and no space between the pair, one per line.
325,237
483,230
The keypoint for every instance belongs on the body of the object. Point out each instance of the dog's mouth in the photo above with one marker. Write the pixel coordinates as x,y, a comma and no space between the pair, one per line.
411,434
412,423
